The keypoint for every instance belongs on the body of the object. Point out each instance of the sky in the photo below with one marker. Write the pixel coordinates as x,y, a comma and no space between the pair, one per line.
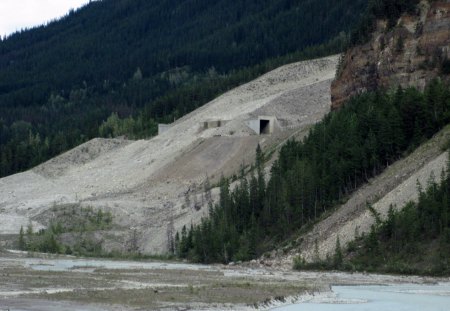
19,14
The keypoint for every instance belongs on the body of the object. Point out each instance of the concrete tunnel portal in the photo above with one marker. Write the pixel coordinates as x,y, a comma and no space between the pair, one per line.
264,125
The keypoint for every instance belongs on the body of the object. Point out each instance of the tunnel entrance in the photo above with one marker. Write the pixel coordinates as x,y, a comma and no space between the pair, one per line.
264,126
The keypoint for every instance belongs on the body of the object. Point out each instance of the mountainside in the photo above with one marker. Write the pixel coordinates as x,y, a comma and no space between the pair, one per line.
153,188
143,62
393,77
411,52
333,163
396,186
109,40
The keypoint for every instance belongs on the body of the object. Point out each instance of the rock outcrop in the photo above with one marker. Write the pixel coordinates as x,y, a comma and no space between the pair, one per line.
410,54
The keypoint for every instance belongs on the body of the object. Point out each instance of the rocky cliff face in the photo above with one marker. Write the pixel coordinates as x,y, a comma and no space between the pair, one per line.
412,53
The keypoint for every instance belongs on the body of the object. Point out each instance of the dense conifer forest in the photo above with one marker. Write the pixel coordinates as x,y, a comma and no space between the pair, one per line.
119,67
340,153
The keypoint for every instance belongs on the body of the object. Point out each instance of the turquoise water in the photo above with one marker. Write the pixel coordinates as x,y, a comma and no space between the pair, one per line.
380,298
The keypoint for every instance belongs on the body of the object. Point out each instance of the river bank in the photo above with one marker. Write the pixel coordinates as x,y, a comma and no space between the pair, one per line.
44,282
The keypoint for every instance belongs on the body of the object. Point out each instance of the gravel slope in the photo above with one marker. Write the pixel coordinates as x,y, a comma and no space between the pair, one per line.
145,183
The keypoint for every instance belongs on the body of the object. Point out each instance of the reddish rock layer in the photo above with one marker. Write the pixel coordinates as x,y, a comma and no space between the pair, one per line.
410,54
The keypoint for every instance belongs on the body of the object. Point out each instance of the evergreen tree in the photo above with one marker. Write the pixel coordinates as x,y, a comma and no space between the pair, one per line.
338,256
22,243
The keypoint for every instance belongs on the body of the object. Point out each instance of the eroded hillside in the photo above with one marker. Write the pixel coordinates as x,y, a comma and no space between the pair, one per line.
154,187
396,186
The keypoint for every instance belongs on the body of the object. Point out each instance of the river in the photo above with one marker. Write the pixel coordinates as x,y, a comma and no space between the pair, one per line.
42,282
379,298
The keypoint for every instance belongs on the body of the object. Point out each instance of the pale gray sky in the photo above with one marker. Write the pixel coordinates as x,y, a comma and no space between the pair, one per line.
18,14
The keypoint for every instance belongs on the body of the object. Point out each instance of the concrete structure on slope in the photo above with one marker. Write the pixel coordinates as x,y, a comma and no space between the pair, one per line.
162,128
264,125
210,124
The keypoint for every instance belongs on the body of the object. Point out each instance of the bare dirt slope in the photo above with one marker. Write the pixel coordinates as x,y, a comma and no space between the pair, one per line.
396,186
149,184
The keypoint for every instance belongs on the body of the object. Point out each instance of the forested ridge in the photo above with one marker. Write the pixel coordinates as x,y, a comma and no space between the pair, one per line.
119,67
340,154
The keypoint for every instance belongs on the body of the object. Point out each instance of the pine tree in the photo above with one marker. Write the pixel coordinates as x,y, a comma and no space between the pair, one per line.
260,176
177,244
22,243
338,257
29,231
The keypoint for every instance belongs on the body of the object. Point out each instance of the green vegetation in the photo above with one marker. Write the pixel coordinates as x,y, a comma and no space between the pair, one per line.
341,153
67,219
118,68
72,230
414,240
